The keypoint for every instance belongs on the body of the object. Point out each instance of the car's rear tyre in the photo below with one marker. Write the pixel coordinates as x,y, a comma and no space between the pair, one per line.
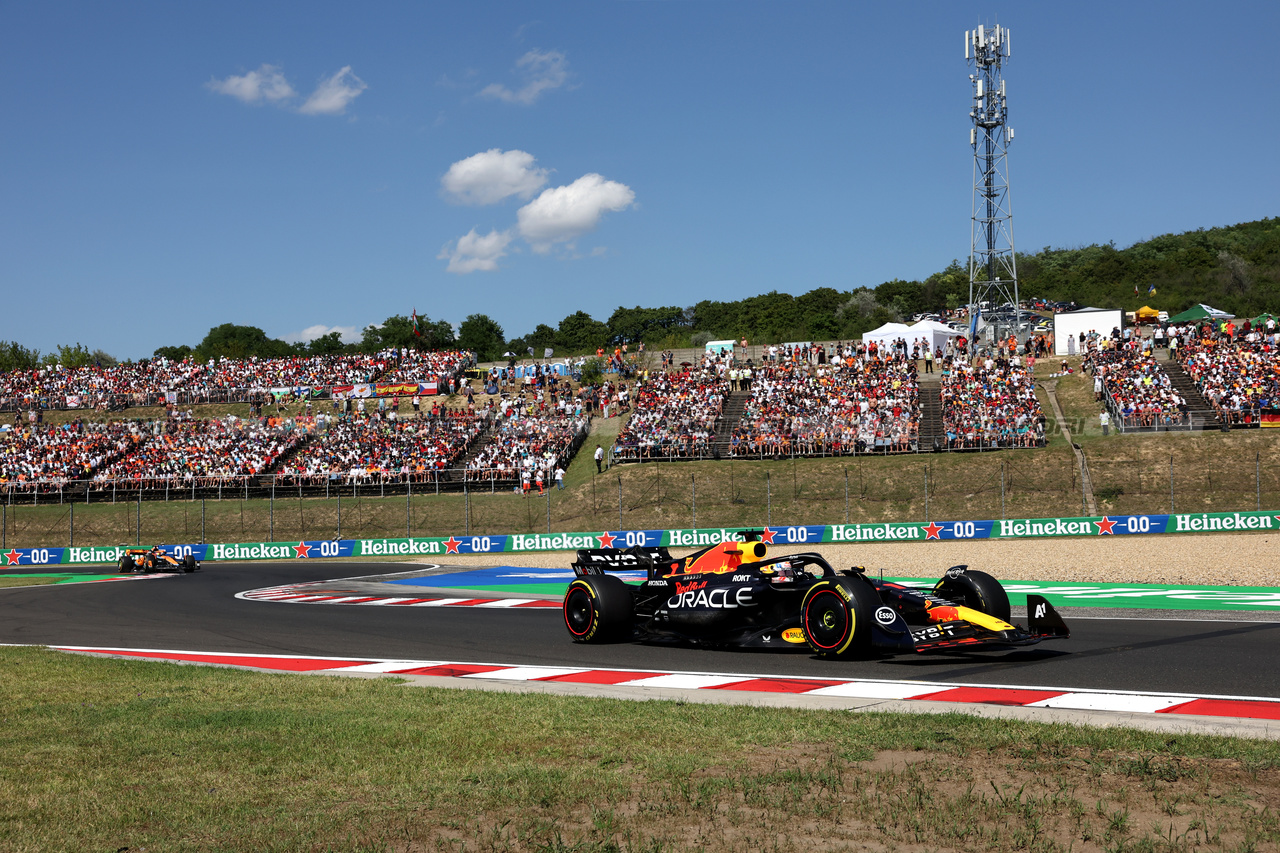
127,564
598,609
836,617
977,590
189,563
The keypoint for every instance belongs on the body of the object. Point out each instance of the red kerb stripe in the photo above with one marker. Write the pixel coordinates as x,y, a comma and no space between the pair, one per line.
1248,708
990,695
778,685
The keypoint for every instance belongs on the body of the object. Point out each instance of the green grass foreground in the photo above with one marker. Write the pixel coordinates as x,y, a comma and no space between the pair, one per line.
130,755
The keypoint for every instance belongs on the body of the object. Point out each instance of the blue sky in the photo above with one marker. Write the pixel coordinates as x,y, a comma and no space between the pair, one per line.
305,166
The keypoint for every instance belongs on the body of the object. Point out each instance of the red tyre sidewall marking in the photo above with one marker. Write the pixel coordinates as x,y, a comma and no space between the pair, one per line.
591,610
848,622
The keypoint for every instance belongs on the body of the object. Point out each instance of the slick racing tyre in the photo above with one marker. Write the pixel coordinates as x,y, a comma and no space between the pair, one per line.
189,563
598,609
127,564
836,617
977,590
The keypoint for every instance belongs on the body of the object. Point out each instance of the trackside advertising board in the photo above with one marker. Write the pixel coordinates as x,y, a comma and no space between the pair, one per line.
808,534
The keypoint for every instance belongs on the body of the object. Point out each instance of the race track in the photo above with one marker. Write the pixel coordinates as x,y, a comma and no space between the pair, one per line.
1220,655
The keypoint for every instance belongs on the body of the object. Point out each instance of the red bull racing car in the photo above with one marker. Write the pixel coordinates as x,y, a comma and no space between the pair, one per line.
734,594
157,559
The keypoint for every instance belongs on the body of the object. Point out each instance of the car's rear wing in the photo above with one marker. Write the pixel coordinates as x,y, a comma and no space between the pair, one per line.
595,561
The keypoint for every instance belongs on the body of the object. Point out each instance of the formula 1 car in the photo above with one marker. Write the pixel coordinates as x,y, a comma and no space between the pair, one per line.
734,594
157,559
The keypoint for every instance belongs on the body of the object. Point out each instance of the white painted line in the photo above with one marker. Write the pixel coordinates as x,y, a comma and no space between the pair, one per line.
876,690
691,682
503,602
524,673
1135,703
388,600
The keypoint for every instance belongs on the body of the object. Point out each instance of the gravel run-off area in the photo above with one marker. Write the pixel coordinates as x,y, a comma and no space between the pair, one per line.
1223,559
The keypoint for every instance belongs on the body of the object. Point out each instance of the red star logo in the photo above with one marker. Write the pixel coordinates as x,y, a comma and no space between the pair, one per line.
451,545
932,529
766,536
14,557
302,549
1105,525
606,540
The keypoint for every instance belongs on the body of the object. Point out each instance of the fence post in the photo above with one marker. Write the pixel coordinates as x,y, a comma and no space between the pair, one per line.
202,521
4,523
408,510
548,510
846,496
466,494
138,526
1257,462
926,496
768,490
1002,490
1170,483
71,527
693,495
619,501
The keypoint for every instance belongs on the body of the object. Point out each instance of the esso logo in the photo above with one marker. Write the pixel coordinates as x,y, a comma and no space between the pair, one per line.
885,615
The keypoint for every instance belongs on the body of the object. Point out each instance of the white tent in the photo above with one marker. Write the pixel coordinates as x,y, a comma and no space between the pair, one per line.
931,332
1069,324
887,334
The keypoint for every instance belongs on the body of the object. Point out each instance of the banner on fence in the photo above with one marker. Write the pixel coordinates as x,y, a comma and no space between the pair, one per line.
805,534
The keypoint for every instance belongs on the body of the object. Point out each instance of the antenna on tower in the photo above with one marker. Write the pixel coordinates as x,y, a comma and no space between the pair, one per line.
993,272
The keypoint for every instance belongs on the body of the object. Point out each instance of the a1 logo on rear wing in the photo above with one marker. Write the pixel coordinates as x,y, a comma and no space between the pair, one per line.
595,561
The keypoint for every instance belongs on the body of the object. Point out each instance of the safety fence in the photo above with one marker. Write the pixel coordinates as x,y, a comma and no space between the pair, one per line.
804,534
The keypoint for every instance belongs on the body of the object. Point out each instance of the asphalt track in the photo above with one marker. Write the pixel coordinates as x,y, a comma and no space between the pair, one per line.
1227,654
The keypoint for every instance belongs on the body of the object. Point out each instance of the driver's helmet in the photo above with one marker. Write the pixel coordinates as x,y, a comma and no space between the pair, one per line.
784,573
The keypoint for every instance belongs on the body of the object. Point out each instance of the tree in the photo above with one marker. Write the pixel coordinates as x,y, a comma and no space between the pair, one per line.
395,331
70,356
579,332
235,341
483,336
329,344
177,353
14,356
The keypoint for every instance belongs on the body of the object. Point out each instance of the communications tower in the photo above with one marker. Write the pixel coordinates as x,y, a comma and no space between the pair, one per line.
993,272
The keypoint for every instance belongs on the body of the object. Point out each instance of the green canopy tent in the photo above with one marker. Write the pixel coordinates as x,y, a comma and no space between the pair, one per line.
1201,312
1261,319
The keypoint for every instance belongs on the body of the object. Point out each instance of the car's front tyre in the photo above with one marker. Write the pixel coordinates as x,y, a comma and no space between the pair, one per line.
189,563
977,590
836,618
598,609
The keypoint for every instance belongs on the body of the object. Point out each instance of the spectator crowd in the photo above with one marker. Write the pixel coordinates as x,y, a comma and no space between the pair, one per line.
990,403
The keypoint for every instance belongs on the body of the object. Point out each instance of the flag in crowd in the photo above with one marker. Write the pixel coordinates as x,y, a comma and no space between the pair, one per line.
417,332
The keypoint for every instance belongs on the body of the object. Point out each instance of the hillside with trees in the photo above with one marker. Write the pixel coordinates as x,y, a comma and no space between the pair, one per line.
1235,268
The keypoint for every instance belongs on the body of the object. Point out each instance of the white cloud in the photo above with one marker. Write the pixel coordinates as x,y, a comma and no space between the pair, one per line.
560,214
334,93
475,252
348,334
491,176
542,72
266,84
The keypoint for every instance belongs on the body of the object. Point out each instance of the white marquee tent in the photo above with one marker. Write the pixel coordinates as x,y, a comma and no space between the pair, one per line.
887,334
932,332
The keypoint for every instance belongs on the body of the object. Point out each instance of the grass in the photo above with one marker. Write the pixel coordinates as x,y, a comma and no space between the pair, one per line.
114,755
1132,474
26,581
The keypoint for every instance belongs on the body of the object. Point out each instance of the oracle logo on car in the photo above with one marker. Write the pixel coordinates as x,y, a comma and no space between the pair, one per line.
721,598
